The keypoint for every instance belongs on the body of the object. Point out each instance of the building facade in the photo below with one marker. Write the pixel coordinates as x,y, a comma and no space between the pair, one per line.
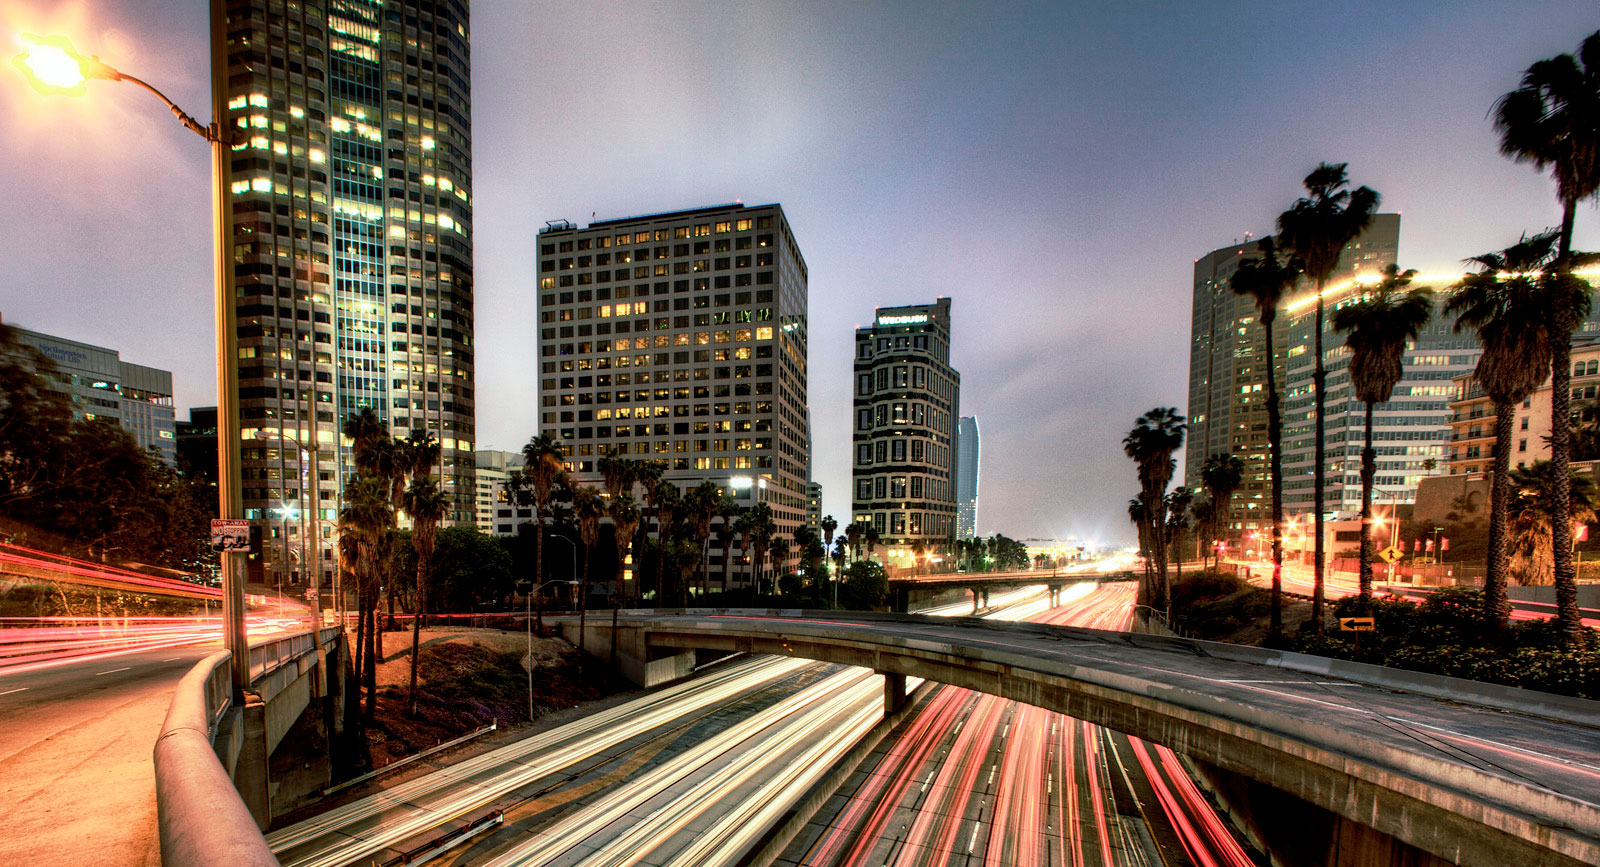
907,400
100,385
1472,416
497,514
352,247
814,506
681,337
967,453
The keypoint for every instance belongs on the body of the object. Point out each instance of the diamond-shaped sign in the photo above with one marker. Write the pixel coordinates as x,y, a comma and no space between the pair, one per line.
1391,554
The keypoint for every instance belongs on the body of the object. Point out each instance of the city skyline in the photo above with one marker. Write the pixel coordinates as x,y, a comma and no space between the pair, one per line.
1018,190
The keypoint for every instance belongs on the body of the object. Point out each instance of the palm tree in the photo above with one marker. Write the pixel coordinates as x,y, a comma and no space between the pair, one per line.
701,505
669,508
1155,436
618,472
426,505
1378,327
364,521
543,466
1535,504
1178,520
625,520
779,551
1316,229
1139,515
829,524
587,509
852,536
1500,301
1221,475
1265,278
728,510
871,538
762,529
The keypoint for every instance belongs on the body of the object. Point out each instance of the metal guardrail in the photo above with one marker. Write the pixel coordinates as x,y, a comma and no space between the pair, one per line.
200,816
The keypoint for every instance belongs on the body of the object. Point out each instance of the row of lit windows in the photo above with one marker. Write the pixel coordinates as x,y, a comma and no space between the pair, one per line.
700,230
901,487
680,251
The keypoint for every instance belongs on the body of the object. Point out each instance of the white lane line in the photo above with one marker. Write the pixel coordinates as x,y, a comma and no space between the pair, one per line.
171,658
10,691
114,670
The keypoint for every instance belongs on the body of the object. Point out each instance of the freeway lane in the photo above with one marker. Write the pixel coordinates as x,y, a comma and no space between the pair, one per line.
76,780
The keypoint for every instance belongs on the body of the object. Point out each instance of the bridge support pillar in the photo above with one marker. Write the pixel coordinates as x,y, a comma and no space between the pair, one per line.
986,597
1055,595
252,774
976,596
894,692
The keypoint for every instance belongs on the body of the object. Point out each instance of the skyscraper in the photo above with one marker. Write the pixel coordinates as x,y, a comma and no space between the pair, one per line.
1228,374
907,401
680,337
352,211
967,453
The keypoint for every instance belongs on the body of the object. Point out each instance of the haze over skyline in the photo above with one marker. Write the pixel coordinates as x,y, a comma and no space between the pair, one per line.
1055,171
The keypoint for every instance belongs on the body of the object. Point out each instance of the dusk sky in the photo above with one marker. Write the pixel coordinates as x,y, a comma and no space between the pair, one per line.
1054,168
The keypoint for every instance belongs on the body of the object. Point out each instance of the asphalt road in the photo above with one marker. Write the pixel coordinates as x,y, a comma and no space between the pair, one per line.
76,780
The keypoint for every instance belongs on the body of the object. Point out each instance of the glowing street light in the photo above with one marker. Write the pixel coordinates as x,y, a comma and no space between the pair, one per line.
53,67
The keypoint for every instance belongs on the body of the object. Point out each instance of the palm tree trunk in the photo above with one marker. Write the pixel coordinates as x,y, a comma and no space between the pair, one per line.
1369,470
1320,476
416,632
1566,576
1496,607
374,647
538,574
1275,447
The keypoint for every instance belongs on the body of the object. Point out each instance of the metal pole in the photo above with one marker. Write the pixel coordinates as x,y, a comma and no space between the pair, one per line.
229,496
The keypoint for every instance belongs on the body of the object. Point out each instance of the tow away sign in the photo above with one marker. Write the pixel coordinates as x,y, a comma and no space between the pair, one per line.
1356,624
230,535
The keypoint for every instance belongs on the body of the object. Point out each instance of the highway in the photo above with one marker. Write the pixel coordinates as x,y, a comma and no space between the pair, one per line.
696,773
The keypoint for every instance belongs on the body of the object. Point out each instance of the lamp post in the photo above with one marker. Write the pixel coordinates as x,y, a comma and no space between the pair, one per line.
53,67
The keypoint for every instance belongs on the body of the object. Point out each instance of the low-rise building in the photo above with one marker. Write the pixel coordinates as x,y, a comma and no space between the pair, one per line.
497,514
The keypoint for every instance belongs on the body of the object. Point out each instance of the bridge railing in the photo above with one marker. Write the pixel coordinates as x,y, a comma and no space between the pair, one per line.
201,818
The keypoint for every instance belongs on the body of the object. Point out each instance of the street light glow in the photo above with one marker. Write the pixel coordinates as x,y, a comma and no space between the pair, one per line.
52,66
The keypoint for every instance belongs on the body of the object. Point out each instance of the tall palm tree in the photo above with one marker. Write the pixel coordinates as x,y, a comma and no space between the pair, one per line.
364,524
728,510
740,531
617,471
544,464
648,476
1377,327
762,529
852,536
1501,302
870,537
625,520
669,509
779,551
1316,229
1178,520
587,509
1534,503
426,505
1265,278
1221,475
1139,515
700,506
1155,436
829,524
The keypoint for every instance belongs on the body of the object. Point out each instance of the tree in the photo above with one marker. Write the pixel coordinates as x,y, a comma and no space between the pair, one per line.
618,472
760,531
364,522
543,466
1178,520
853,535
727,532
1155,436
1500,302
669,509
866,585
1220,475
625,520
829,524
1535,507
779,551
1377,326
470,570
1265,278
426,505
587,509
1316,229
702,504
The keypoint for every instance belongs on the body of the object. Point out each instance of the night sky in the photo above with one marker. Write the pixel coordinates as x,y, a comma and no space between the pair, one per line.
1055,169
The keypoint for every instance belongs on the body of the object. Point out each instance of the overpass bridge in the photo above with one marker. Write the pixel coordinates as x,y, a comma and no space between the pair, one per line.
909,592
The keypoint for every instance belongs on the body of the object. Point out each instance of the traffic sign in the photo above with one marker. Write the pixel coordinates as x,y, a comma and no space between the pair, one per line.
1357,624
229,534
1391,555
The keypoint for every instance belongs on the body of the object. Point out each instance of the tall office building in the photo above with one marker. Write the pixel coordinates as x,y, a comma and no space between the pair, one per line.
680,337
907,402
814,506
1228,373
352,212
497,515
100,385
967,477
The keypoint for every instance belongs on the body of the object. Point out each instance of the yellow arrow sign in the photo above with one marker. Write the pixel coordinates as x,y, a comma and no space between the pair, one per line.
1391,554
1356,624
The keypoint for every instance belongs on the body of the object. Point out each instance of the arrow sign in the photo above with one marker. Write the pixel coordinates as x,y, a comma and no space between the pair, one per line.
1356,624
1391,554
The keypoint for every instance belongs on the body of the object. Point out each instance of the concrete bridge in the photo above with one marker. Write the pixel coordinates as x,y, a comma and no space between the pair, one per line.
910,592
1324,762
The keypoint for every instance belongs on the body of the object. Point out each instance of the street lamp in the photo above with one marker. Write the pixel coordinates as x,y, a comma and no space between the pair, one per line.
52,66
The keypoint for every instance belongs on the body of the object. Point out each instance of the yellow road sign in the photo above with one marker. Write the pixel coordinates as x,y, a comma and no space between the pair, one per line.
1356,624
1391,554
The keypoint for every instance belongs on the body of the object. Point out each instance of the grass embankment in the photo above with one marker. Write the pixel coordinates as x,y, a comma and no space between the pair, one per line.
1443,634
468,678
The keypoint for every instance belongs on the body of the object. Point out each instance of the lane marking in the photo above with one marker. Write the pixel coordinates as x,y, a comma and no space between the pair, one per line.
115,670
171,658
10,691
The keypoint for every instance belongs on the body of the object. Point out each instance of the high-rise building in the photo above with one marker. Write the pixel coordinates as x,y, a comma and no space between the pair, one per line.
497,514
814,506
1228,373
680,337
100,385
352,246
967,477
197,444
907,401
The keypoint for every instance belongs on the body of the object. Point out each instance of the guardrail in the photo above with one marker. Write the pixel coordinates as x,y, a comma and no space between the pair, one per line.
200,816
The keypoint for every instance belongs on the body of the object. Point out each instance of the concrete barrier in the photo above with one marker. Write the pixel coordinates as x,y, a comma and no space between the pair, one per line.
201,818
